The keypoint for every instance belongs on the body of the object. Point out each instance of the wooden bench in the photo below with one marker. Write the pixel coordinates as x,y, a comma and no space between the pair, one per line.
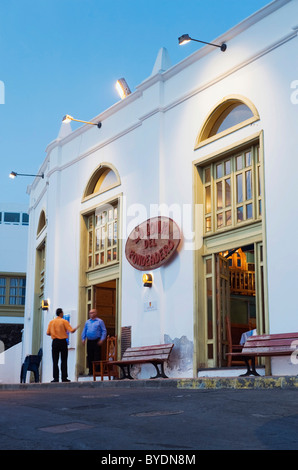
157,355
283,344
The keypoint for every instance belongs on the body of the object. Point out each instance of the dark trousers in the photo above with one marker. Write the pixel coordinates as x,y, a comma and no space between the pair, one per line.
93,353
59,349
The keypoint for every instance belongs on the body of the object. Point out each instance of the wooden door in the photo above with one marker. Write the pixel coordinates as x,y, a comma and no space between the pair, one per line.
222,307
105,304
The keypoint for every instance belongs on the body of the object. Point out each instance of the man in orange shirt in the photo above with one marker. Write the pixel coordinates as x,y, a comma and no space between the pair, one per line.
58,329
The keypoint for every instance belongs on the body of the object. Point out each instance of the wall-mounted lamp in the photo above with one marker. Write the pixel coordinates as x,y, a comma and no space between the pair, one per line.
147,280
45,304
13,175
122,88
68,118
185,38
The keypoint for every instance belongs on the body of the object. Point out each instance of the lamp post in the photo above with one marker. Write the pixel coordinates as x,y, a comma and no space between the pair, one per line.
185,38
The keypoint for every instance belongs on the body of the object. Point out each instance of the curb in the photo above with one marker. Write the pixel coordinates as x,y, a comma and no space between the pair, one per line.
239,383
202,383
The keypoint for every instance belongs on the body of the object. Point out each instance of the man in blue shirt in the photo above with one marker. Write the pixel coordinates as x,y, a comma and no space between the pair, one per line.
95,333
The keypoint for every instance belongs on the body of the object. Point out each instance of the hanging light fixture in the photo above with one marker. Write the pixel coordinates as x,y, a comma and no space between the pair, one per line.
185,38
68,118
122,88
13,175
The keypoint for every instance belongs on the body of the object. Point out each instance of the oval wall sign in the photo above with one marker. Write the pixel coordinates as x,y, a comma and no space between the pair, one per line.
152,243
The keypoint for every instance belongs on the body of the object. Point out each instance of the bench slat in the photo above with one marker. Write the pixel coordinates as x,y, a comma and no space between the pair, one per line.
275,336
268,351
145,358
147,353
268,343
157,347
156,354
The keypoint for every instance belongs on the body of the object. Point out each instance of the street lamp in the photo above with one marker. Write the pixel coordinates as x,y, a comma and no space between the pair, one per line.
68,118
185,38
13,175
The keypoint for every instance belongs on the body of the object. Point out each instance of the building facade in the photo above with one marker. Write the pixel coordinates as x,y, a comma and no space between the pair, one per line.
14,223
208,144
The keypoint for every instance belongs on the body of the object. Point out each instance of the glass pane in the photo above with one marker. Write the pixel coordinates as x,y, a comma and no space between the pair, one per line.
228,218
248,184
110,234
208,266
109,258
25,219
234,115
219,170
239,163
209,307
249,211
207,175
103,217
12,217
228,192
219,220
259,181
260,207
248,159
13,282
240,214
208,199
103,236
90,242
98,240
219,195
208,224
227,167
115,232
239,188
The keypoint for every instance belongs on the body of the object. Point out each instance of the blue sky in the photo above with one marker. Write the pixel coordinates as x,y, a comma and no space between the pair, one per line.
62,57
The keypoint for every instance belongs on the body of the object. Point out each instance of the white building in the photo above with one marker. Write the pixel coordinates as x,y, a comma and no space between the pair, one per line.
210,143
14,222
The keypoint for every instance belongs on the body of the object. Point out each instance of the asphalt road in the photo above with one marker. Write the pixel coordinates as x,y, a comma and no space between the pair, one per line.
150,419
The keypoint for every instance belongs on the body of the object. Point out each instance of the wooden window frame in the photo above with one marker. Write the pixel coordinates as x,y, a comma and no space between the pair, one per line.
213,210
102,255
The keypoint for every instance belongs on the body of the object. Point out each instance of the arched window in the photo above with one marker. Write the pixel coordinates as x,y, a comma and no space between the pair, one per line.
42,222
104,178
228,116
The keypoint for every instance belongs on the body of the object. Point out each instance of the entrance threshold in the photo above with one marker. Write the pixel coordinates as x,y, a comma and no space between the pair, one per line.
228,372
